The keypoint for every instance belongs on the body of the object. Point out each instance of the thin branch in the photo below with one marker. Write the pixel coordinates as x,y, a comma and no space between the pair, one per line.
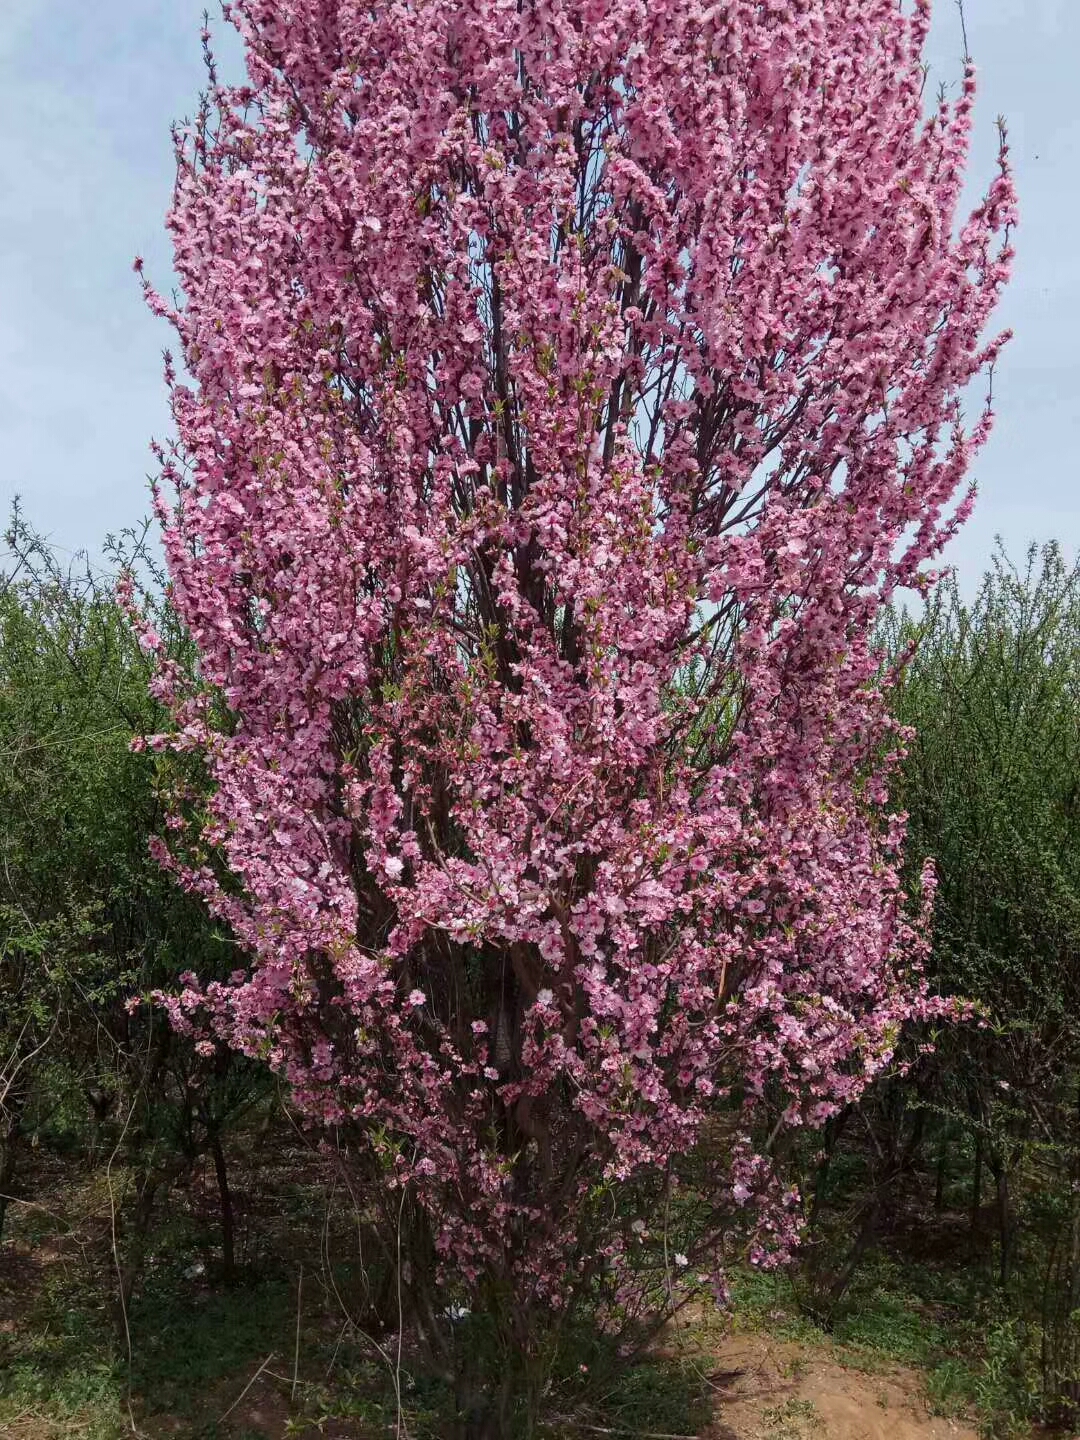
296,1346
247,1387
640,1434
963,31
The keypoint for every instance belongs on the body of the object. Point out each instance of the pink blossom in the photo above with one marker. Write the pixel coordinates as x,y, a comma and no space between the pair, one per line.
566,388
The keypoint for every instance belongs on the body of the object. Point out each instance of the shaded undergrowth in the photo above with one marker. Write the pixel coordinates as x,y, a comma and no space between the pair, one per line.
276,1349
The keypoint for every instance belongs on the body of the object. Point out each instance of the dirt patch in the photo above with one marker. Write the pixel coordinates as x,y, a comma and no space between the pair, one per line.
775,1390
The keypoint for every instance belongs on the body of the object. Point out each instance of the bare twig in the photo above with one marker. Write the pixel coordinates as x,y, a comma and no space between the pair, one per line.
113,1232
963,31
296,1347
639,1434
33,1205
247,1387
351,1322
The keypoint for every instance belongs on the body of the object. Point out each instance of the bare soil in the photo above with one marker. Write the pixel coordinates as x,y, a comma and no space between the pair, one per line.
778,1390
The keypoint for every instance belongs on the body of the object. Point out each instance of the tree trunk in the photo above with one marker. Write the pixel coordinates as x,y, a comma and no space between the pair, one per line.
10,1133
154,1184
913,1148
838,1288
499,1400
486,1409
834,1128
135,1251
100,1104
1003,1206
976,1188
1067,1384
483,1410
941,1171
228,1222
821,1179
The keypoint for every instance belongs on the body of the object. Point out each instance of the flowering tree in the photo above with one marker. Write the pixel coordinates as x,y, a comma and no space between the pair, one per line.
573,381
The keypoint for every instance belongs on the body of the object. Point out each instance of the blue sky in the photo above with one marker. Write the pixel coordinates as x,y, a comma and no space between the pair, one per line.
88,89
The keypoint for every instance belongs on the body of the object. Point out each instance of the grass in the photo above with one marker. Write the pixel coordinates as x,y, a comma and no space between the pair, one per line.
767,1300
197,1342
977,1361
64,1364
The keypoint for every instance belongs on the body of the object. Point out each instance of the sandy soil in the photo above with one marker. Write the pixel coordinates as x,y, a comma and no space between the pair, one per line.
774,1390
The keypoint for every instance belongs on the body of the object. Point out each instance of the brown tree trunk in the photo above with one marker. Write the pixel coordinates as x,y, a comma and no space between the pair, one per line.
228,1223
976,1188
941,1171
1003,1207
833,1129
867,1229
1068,1389
137,1235
10,1134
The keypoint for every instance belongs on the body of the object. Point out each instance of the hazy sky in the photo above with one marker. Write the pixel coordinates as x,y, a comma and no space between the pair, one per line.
88,89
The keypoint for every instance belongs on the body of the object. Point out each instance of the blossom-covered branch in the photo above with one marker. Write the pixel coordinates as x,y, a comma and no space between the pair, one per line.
573,382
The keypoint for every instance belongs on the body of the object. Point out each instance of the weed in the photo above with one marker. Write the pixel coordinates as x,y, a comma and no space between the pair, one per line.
762,1300
796,1419
950,1387
1006,1383
793,1368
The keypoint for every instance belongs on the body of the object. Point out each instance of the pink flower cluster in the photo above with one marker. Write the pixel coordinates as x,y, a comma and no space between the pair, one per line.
573,380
